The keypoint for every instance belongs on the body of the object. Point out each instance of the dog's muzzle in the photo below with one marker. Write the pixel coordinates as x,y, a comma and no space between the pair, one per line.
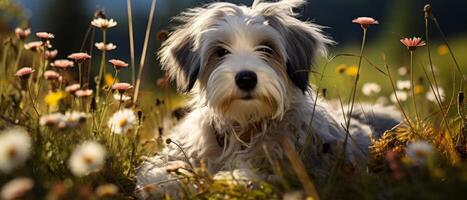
246,80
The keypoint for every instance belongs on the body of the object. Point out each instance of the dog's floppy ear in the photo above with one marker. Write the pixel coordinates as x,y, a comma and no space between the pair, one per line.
303,40
180,59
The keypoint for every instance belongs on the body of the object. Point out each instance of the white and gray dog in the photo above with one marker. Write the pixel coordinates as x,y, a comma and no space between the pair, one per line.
247,71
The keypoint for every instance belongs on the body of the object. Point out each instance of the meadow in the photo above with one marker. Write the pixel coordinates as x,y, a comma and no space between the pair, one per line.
69,132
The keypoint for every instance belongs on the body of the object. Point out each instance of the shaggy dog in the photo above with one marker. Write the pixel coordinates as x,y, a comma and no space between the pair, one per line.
247,69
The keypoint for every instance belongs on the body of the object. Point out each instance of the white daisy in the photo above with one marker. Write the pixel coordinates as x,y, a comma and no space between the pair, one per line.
16,188
74,118
104,23
15,147
402,71
401,95
370,89
121,97
88,157
107,47
52,119
418,152
404,84
431,96
122,121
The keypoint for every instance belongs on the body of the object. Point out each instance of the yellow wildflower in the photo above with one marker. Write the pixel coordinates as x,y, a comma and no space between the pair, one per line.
340,69
53,98
418,89
352,70
109,79
443,50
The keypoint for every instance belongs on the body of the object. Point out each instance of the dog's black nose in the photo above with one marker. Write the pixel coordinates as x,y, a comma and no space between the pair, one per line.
246,80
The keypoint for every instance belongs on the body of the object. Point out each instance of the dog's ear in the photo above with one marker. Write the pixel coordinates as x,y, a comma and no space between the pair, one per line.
180,59
303,40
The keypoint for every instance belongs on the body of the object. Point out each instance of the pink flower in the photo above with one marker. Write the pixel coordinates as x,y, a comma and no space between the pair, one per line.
51,75
103,23
118,64
22,33
24,72
107,47
413,43
63,63
79,56
45,35
51,54
33,46
122,87
72,88
83,93
365,21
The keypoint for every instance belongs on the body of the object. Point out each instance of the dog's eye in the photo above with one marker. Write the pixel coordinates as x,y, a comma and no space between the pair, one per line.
221,52
267,50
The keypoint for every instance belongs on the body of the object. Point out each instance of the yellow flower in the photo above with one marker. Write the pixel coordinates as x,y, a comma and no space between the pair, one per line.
443,50
109,79
53,98
418,89
340,69
352,70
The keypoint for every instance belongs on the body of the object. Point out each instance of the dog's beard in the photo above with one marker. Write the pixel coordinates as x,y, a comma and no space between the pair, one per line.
266,102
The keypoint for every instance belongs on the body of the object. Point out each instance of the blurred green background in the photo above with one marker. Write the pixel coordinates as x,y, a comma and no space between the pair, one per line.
69,20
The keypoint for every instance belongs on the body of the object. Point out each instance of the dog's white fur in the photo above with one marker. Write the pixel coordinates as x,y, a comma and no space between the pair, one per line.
268,40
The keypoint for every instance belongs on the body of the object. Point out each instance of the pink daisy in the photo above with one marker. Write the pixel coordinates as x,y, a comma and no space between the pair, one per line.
63,63
51,75
122,87
24,72
79,56
365,21
45,35
413,43
33,46
83,93
72,88
119,64
22,33
51,54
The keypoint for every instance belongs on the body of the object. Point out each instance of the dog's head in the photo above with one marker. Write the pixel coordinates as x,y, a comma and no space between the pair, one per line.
244,62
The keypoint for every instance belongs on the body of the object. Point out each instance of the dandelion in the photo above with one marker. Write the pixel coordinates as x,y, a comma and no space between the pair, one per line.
443,50
432,97
402,71
122,87
399,94
62,63
418,152
121,97
22,33
83,93
33,46
370,89
78,57
16,188
50,55
403,84
413,43
51,75
122,121
24,72
53,98
72,88
365,22
87,158
118,64
15,146
45,35
340,69
105,47
352,71
103,23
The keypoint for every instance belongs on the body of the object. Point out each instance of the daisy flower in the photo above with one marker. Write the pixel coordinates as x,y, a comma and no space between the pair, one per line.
121,97
122,121
51,54
45,35
33,46
365,22
83,93
370,89
51,75
22,33
54,119
15,146
118,64
74,118
122,87
24,72
403,84
72,88
16,188
87,158
103,23
418,152
79,56
402,71
401,95
412,43
62,63
431,96
107,47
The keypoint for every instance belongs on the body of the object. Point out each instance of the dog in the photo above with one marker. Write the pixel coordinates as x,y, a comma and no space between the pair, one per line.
246,70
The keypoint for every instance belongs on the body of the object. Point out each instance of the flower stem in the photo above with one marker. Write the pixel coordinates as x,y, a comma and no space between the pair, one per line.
18,56
102,66
132,42
80,71
412,73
